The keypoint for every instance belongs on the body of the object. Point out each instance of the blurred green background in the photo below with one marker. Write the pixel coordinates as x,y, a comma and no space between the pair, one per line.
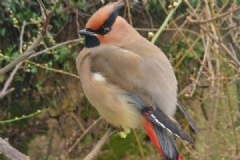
202,41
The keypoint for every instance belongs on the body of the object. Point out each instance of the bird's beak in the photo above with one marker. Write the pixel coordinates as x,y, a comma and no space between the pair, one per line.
85,32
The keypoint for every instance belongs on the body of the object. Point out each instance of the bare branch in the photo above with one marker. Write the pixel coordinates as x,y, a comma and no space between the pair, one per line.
216,39
43,7
215,18
32,54
7,92
31,48
98,146
56,46
9,80
78,121
200,70
52,69
11,152
84,133
21,58
21,36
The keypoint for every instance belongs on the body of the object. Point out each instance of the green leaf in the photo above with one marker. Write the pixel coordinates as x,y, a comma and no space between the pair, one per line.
2,32
34,69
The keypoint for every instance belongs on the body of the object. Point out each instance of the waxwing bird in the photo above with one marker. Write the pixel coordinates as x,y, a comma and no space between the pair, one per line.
129,80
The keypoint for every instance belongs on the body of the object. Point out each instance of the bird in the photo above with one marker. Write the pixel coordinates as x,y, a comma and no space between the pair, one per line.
130,81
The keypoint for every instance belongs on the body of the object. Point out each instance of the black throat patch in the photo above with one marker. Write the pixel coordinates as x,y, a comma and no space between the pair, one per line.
91,41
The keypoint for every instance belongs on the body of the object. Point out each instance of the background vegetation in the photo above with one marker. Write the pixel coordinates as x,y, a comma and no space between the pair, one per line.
44,114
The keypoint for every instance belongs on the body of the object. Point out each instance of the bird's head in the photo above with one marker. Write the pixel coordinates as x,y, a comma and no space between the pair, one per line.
105,27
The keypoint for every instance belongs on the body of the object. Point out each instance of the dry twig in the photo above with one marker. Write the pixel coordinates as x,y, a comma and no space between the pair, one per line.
79,139
10,152
96,149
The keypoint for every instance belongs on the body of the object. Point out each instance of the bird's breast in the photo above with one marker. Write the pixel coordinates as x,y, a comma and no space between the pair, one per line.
112,103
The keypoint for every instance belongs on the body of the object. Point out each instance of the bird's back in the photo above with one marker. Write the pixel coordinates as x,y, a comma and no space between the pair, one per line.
159,80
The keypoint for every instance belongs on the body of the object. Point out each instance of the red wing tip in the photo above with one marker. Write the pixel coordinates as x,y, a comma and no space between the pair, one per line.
179,158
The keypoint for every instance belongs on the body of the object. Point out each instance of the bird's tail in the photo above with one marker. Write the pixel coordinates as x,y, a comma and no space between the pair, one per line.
163,140
162,128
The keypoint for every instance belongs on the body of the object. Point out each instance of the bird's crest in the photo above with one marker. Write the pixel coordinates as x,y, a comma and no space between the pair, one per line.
106,13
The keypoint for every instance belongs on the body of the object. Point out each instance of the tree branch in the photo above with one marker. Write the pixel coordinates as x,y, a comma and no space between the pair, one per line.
9,81
11,152
84,133
22,57
214,18
98,146
31,48
56,46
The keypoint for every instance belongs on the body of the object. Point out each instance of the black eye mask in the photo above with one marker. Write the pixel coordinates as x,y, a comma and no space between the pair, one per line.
107,25
92,41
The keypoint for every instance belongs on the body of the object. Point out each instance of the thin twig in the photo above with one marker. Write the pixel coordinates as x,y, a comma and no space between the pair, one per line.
56,46
99,145
139,144
168,29
232,117
214,18
9,81
165,22
217,40
199,73
79,139
24,116
52,69
6,92
78,121
129,12
21,36
187,52
43,7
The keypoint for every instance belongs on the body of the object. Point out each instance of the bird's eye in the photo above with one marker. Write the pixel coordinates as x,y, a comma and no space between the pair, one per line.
106,29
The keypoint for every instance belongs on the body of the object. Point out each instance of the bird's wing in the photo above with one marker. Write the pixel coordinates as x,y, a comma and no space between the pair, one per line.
118,66
135,71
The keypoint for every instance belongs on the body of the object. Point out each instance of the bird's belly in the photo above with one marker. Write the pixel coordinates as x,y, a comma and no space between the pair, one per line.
122,119
112,103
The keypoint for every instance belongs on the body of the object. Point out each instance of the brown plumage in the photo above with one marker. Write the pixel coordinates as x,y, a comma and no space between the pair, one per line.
128,79
105,96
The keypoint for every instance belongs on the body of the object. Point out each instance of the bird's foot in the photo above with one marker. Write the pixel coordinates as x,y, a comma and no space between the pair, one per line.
119,131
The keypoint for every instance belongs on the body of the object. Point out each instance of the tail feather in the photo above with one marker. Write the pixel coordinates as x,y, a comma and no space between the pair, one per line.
151,133
172,125
162,120
188,117
163,141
